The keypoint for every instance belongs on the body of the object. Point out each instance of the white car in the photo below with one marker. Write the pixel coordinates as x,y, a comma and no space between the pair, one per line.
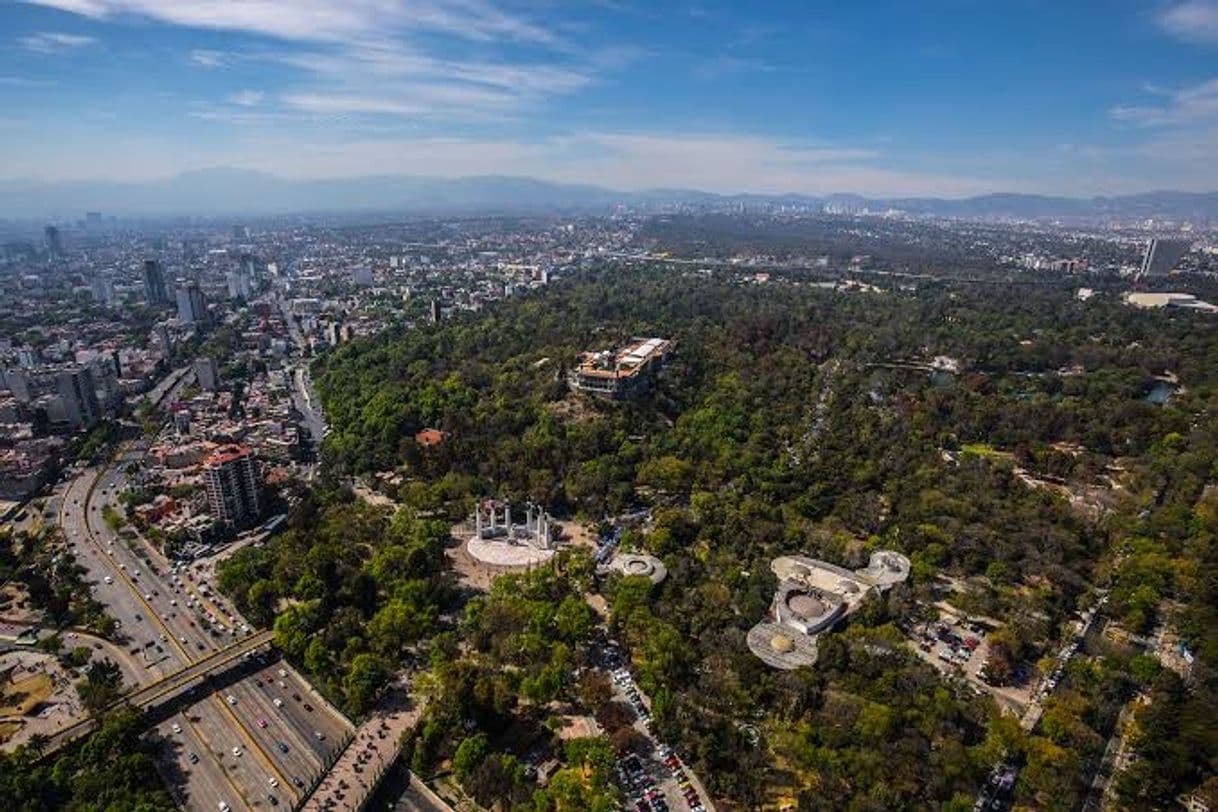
232,700
236,751
108,579
177,728
278,702
273,782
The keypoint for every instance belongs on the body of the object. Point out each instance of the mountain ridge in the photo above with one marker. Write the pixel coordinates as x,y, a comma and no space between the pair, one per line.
228,191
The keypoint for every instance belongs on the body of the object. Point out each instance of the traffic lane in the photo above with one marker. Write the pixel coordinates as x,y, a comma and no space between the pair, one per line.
121,601
142,581
271,781
321,718
243,771
140,621
253,707
201,785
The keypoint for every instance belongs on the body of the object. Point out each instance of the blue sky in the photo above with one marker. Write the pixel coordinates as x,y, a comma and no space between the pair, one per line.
941,98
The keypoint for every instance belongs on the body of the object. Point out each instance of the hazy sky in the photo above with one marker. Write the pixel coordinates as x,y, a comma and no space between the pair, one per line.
908,97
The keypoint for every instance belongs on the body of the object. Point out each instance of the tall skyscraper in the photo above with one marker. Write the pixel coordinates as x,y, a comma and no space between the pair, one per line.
192,306
54,241
240,284
164,342
154,283
1162,255
102,290
79,395
18,381
234,484
207,373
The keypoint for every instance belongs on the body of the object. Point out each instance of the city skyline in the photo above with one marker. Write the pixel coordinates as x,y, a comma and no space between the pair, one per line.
877,100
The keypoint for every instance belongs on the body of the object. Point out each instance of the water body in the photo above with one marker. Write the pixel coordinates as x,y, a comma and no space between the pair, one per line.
1160,393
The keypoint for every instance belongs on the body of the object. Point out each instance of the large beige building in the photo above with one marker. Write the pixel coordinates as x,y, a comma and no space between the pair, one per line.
234,485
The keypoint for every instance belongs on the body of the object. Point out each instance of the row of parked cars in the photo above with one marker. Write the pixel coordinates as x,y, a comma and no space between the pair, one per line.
632,774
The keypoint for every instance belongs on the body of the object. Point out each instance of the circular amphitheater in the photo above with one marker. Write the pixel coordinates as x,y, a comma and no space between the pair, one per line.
641,564
781,647
503,554
807,609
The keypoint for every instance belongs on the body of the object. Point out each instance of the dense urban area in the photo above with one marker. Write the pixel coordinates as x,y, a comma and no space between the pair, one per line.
715,506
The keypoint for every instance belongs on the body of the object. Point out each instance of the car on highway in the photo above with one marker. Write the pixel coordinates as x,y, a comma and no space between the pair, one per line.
277,702
273,782
236,750
262,723
176,728
230,699
283,748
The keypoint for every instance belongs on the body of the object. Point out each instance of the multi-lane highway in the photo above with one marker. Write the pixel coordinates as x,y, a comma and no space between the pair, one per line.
236,747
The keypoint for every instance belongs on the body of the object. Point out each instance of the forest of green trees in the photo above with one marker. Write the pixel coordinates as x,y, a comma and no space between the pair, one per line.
785,421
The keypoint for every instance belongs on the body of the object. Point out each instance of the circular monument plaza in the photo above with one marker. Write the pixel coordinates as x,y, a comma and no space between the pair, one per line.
642,564
499,543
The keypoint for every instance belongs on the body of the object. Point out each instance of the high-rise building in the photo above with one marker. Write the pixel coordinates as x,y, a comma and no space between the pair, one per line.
19,384
240,284
164,342
192,306
28,357
79,395
234,484
207,372
1162,255
154,283
435,311
54,241
102,290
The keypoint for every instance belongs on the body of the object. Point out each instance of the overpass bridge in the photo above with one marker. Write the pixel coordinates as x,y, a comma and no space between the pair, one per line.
154,694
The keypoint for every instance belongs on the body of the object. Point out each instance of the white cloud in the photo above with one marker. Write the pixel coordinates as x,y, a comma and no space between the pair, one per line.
1188,105
203,58
326,20
328,105
382,57
1192,21
247,98
25,81
624,161
399,81
53,42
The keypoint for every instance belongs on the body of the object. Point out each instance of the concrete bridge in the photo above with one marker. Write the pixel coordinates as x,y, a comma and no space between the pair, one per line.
154,694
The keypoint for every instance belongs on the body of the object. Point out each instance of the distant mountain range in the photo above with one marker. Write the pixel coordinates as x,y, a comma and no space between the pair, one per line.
243,192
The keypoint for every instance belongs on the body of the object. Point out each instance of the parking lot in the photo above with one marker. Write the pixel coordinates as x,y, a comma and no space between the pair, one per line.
657,781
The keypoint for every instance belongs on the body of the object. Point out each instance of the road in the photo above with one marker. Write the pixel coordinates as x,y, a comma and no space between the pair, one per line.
169,620
306,402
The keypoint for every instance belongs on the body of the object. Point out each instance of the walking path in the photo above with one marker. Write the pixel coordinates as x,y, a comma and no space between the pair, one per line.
360,766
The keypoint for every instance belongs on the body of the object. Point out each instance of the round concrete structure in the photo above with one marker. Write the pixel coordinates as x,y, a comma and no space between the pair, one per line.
505,555
780,647
640,564
807,609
